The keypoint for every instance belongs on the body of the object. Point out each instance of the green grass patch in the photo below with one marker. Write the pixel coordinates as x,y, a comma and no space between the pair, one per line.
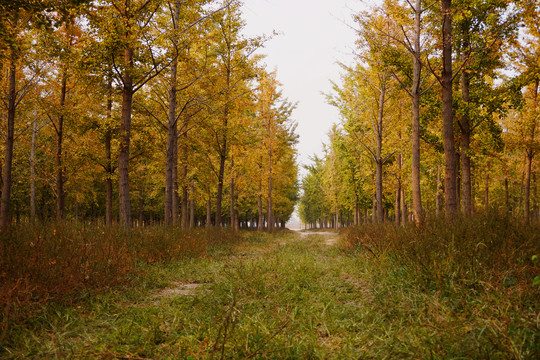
284,296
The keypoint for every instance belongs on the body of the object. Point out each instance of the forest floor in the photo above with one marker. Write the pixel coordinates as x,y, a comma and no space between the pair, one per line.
294,295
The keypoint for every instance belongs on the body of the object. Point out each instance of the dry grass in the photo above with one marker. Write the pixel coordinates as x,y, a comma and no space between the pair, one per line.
55,262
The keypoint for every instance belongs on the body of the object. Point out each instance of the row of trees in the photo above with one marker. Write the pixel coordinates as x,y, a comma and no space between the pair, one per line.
162,105
439,111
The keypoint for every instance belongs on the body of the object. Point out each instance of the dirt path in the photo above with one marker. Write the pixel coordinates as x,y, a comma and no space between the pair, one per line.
285,296
330,238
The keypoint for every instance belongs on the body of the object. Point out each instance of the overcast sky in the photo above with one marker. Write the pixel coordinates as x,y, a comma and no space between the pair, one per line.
313,36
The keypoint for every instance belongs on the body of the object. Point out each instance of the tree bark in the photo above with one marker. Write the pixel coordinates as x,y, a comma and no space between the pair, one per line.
415,136
141,205
269,213
8,157
172,128
232,204
438,194
185,194
109,167
450,193
209,211
486,191
466,192
260,221
125,139
530,153
378,160
506,195
192,206
403,207
33,172
60,195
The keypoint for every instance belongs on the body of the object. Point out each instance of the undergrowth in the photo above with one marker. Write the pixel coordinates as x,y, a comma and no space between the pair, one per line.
56,262
471,284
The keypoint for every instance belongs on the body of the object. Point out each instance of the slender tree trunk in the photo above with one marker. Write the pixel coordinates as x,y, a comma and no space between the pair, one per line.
535,197
172,128
415,136
109,165
466,192
458,178
8,157
530,153
141,205
125,139
232,204
403,207
527,196
356,208
260,221
60,195
185,194
450,193
397,205
438,195
33,171
209,211
269,213
192,206
374,210
223,151
486,191
378,161
506,195
521,190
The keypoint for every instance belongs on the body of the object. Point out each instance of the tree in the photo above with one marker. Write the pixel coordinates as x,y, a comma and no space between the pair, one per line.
127,27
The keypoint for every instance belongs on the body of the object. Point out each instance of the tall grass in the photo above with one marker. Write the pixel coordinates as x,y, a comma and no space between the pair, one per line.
469,283
487,249
58,261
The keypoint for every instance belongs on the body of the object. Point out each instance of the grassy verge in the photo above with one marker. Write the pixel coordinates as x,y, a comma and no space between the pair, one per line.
286,296
464,289
60,263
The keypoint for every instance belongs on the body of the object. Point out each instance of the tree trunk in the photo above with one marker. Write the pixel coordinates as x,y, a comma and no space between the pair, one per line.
108,166
141,205
356,208
438,194
415,136
232,204
535,197
172,128
506,195
374,210
8,157
397,205
378,160
269,209
466,192
530,153
185,194
260,221
125,139
486,192
209,211
60,195
450,193
192,206
403,207
33,171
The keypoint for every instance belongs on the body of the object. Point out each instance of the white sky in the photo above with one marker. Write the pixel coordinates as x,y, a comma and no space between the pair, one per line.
314,35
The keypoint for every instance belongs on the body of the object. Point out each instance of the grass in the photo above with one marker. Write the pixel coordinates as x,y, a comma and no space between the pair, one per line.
284,296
